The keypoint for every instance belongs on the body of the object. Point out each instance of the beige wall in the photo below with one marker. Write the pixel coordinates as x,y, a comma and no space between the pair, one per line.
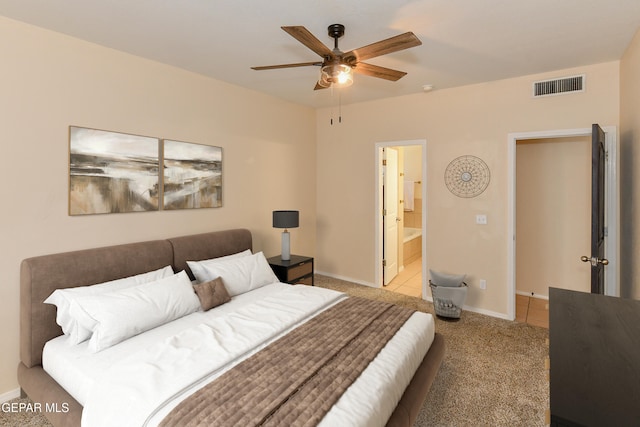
629,164
49,81
471,120
553,214
413,172
413,162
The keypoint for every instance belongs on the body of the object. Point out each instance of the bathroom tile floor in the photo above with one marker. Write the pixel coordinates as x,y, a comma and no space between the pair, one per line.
534,311
409,280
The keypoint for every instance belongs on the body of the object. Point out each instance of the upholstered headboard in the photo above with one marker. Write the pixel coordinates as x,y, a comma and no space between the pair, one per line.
40,276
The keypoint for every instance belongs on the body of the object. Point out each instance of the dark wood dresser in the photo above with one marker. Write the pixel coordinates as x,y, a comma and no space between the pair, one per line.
594,352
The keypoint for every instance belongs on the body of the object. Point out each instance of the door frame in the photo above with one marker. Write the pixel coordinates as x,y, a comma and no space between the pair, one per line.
612,287
378,249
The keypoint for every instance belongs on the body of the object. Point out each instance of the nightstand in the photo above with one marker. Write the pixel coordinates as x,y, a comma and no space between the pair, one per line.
299,269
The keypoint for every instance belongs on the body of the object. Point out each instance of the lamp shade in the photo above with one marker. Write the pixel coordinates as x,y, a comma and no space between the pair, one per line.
285,219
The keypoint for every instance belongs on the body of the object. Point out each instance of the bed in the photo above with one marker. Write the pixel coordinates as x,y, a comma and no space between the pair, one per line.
98,378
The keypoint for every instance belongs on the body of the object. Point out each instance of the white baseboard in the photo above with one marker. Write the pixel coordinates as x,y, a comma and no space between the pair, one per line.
479,310
531,294
487,312
428,298
10,395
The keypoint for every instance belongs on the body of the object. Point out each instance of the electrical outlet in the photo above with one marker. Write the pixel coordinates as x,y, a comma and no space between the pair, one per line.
481,219
483,284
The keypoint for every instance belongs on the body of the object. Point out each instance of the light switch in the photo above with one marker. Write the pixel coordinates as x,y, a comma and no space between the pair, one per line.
481,219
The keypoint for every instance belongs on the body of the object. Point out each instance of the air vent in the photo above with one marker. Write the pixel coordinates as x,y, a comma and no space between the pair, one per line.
559,86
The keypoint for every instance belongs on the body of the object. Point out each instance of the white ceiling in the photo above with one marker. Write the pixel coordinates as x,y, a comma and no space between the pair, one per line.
463,41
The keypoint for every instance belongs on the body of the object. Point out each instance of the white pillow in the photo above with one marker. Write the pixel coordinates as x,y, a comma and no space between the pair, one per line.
197,267
115,316
239,275
62,299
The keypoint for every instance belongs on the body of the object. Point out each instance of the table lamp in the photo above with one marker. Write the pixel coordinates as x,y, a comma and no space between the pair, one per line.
285,219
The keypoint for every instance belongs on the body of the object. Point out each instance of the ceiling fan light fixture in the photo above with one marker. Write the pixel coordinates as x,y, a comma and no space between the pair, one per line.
337,67
336,75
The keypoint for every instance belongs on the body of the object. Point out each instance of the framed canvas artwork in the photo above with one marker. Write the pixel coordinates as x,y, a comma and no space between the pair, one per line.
112,172
192,175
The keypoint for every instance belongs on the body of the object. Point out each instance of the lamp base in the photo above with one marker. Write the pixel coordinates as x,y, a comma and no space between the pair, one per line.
286,248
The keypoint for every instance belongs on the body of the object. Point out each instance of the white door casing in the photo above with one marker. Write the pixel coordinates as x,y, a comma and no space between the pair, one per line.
611,206
378,204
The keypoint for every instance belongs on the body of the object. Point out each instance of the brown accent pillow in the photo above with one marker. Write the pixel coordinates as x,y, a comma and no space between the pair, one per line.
212,294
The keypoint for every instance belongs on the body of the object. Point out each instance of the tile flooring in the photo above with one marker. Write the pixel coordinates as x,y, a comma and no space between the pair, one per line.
409,280
534,311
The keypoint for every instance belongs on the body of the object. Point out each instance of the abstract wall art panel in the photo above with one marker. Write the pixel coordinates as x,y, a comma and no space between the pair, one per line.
112,172
192,175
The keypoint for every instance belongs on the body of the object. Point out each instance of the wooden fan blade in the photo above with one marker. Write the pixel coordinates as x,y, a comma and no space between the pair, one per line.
305,37
383,47
377,71
299,64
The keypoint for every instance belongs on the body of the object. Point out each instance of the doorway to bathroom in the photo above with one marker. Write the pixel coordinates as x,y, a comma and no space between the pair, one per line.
400,217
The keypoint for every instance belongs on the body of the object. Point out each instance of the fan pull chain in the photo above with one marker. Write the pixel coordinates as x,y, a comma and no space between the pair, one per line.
331,89
339,105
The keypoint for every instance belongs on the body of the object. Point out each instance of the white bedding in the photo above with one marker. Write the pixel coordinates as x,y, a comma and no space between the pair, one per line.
124,384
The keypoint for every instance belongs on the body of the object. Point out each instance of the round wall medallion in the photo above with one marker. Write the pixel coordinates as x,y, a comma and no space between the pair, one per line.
467,176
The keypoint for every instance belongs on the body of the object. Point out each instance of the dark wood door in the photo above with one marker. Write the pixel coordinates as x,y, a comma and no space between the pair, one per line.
598,260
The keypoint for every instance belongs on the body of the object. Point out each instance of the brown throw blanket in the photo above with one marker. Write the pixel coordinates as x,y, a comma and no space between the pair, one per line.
295,380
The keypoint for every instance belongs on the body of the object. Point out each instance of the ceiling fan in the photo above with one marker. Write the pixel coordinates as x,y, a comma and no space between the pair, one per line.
337,67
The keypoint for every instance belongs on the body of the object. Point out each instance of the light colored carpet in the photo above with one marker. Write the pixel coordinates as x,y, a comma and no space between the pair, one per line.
16,418
492,375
